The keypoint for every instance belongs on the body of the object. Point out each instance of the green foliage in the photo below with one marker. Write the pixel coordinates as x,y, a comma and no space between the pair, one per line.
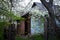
19,38
3,8
33,37
37,37
42,19
14,17
2,25
5,11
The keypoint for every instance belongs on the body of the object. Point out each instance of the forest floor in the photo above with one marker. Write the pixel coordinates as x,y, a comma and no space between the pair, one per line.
33,37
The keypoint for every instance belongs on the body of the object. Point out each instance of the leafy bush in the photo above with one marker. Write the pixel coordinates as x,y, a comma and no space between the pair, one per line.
37,37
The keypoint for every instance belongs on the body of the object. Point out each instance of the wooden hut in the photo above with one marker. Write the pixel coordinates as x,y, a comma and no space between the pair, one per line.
24,26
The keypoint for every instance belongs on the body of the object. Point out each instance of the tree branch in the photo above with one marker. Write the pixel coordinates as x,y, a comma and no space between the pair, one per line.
46,4
51,2
50,11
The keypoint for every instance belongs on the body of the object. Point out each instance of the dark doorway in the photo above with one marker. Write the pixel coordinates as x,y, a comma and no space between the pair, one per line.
27,23
26,27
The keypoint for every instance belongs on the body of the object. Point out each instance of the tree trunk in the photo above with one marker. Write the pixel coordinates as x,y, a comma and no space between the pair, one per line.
49,7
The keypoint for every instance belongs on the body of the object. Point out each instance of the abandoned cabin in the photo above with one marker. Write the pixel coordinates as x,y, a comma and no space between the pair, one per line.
29,25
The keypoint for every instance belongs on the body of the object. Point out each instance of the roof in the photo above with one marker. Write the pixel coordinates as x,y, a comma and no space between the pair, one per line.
41,6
